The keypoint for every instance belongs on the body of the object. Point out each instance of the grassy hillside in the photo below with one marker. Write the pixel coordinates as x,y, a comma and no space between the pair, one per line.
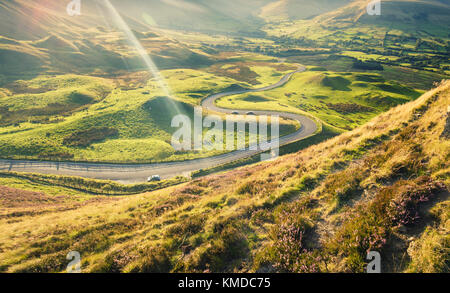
121,119
230,17
75,89
357,70
407,33
383,186
283,10
342,99
97,52
409,16
32,20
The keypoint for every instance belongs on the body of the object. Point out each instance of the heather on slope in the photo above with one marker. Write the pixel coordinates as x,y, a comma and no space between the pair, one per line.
381,187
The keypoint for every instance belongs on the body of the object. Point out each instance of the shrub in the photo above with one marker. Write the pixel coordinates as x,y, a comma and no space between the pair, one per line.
153,260
262,216
431,253
53,263
55,156
187,227
446,132
248,188
348,108
85,138
222,253
289,247
231,201
371,225
404,207
147,260
358,236
290,251
115,262
344,185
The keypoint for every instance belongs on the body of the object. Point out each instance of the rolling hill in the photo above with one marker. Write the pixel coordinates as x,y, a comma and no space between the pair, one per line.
109,88
32,20
76,89
285,10
407,36
420,18
381,187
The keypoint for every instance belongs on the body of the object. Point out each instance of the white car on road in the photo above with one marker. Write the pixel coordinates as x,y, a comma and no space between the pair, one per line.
154,178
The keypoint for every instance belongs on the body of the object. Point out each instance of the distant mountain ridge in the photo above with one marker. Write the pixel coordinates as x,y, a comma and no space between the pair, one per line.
33,20
283,10
409,16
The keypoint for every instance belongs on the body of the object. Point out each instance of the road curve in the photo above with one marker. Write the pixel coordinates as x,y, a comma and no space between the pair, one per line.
134,173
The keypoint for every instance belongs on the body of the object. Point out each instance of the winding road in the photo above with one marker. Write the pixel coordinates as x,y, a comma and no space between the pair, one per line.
135,173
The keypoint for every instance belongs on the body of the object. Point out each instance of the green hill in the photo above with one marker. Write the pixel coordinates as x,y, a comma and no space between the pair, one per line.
419,18
35,19
76,89
283,10
381,187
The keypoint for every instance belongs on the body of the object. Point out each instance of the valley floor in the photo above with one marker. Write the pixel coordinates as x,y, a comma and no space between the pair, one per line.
140,172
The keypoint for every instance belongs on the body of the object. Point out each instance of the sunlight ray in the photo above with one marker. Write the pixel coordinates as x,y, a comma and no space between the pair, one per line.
153,69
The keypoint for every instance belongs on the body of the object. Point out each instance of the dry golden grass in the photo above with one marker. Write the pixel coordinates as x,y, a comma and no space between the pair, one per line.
232,221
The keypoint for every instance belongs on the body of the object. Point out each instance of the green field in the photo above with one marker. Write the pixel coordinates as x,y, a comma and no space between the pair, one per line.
343,100
80,118
110,108
239,221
